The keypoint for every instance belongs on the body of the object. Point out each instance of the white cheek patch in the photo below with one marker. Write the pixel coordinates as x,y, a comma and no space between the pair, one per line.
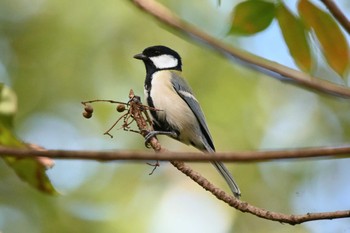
164,61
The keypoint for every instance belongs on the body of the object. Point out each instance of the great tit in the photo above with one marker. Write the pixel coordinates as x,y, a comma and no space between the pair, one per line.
179,114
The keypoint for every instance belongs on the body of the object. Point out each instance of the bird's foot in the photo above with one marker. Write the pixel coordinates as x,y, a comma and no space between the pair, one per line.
152,134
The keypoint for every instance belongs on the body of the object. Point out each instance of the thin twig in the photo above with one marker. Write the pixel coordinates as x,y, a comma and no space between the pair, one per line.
338,14
265,66
126,124
102,100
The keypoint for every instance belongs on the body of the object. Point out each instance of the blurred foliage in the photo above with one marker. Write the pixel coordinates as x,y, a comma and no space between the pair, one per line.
253,16
55,54
31,171
295,36
334,46
8,106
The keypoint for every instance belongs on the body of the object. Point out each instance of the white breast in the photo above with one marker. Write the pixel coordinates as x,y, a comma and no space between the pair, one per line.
173,108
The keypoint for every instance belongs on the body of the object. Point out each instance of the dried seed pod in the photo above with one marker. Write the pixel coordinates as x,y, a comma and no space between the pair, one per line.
88,108
87,115
121,108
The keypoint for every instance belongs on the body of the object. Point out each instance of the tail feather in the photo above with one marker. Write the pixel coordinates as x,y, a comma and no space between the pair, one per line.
224,172
228,178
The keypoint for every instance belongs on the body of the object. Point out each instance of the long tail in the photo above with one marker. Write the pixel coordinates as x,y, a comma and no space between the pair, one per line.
228,178
224,172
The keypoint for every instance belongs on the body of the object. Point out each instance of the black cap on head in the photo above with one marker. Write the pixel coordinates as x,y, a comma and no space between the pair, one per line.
158,50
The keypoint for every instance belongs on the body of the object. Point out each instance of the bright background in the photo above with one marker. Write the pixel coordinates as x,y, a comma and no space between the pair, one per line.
57,53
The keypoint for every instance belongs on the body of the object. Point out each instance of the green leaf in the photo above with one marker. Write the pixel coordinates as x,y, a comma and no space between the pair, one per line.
332,41
8,105
295,36
31,170
252,16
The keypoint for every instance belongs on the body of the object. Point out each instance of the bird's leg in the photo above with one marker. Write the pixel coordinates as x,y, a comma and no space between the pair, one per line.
154,133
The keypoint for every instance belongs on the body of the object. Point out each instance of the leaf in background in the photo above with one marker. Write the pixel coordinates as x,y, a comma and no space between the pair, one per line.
8,105
30,170
332,41
295,36
250,17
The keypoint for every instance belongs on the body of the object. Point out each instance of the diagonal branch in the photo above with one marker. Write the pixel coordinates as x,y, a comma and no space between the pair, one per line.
267,67
337,14
259,212
136,113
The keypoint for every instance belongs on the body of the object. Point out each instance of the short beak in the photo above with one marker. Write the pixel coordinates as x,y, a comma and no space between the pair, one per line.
140,56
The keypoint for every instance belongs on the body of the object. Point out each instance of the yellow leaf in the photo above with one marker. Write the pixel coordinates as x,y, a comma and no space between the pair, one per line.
295,36
332,41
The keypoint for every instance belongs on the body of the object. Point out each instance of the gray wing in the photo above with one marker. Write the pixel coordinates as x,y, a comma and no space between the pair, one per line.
185,92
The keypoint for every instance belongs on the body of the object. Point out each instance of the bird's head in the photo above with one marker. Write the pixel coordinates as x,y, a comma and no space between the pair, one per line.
160,58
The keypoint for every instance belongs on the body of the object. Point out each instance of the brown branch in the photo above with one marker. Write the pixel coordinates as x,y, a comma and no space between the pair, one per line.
136,112
267,67
237,157
338,14
248,208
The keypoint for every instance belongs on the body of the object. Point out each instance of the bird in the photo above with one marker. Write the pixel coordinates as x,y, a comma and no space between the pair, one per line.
178,114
